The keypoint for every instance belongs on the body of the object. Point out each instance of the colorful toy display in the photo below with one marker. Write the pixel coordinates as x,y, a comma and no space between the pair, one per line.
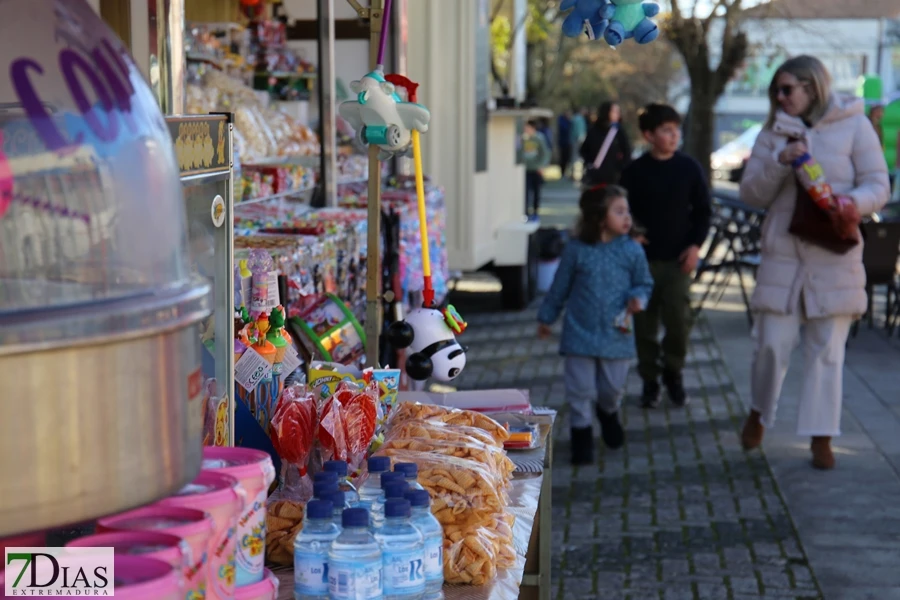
589,17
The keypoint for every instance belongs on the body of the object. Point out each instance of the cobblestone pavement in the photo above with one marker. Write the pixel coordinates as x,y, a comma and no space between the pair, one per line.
681,511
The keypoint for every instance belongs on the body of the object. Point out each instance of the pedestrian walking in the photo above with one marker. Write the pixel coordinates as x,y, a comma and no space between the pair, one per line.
602,280
564,141
804,290
536,155
670,199
606,150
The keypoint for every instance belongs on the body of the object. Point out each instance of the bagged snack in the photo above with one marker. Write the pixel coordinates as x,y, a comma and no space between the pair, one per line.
438,430
411,411
470,560
463,492
284,520
490,457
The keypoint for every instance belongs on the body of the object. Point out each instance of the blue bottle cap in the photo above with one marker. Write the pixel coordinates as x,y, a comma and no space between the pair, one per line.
319,509
379,464
418,497
337,499
325,476
395,489
321,488
336,466
396,507
409,470
355,517
390,476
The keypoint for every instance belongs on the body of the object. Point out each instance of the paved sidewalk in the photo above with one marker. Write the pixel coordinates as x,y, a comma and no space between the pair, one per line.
680,511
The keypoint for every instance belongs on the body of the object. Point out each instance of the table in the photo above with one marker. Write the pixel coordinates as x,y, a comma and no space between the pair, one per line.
530,502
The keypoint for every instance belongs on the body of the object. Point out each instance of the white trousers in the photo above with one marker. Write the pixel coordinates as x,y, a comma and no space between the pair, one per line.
823,342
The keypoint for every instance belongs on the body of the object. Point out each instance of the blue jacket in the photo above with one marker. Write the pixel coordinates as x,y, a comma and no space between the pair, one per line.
596,282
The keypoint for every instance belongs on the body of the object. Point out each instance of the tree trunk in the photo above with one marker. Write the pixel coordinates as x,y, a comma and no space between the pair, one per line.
699,134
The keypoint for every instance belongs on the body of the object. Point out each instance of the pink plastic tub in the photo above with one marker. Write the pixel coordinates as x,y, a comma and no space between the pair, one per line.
254,470
142,578
223,498
31,540
195,527
265,589
166,547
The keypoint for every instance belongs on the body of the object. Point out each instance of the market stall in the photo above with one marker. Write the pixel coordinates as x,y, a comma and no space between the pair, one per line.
264,335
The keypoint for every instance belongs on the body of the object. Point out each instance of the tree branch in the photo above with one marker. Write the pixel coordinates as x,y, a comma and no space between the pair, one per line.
498,8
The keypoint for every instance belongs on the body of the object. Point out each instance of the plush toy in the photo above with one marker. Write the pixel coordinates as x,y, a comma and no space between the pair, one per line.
430,336
631,19
588,16
381,117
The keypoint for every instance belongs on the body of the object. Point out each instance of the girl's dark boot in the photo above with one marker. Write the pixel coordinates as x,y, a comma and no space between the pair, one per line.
611,429
582,445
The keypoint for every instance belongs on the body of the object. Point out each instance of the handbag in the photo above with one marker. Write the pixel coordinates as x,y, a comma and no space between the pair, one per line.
826,229
595,175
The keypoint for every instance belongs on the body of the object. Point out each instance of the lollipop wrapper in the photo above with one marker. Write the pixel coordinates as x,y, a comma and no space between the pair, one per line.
332,430
292,432
359,405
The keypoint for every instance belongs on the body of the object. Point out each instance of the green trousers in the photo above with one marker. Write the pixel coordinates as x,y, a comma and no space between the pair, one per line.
670,305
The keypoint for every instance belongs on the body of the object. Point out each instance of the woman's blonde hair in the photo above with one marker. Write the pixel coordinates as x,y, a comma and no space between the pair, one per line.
810,71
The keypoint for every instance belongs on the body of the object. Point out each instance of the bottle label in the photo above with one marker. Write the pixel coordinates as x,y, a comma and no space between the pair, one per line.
355,580
311,573
251,541
404,572
434,558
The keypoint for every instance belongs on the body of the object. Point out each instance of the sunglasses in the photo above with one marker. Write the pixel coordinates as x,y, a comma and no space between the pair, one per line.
787,90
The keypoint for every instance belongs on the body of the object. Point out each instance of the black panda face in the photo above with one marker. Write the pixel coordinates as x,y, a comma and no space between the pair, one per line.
453,373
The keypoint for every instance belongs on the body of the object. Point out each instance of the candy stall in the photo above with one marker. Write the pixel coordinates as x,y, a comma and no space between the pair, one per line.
199,345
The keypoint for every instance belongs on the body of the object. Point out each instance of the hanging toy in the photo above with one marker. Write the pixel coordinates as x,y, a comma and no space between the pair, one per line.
381,117
430,334
631,19
589,17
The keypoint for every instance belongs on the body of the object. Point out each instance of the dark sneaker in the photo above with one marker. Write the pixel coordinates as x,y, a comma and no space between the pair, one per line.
582,446
650,397
675,388
611,429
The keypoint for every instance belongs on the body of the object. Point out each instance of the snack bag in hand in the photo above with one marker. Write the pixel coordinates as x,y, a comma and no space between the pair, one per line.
841,209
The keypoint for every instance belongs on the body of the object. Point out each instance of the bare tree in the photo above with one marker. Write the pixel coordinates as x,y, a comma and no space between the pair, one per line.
689,33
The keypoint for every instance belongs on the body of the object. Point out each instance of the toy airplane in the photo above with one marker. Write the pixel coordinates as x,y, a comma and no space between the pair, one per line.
381,117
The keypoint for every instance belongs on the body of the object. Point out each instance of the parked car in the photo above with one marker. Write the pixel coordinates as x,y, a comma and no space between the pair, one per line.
728,162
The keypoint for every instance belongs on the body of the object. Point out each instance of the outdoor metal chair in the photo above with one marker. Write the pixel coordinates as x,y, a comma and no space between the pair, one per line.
733,250
880,255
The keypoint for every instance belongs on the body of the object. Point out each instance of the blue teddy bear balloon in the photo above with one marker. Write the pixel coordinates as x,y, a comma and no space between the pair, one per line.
589,16
631,19
615,20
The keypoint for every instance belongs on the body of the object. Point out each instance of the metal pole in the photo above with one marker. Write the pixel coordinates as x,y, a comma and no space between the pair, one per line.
325,47
373,267
169,52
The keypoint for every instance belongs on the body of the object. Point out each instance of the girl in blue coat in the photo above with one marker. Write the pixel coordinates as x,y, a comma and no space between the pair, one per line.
602,280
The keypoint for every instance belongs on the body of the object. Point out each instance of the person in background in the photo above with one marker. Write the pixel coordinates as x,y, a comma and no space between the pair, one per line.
876,115
564,141
805,292
536,155
618,155
543,126
670,198
602,280
578,131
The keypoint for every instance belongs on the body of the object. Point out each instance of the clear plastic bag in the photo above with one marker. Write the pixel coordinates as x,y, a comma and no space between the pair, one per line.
413,411
438,430
490,457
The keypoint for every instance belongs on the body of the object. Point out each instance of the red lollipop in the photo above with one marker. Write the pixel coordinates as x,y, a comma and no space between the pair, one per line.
294,426
332,430
360,415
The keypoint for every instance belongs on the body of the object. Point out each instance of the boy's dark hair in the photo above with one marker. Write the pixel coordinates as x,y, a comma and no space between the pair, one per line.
594,204
654,116
531,123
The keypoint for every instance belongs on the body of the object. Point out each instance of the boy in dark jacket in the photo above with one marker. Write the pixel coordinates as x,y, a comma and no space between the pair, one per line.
670,198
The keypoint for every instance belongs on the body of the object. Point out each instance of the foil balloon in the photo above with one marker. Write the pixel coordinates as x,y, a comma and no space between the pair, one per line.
89,183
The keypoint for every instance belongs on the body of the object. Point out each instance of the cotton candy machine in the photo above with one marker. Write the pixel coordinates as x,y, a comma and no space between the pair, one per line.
100,379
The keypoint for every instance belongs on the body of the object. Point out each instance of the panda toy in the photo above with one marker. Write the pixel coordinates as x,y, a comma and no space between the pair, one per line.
430,335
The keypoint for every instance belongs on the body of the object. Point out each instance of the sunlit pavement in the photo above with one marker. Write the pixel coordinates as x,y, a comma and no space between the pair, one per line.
681,511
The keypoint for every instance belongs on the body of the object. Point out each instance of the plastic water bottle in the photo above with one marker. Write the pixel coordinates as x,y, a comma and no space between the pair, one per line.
326,476
403,547
411,472
338,503
355,567
371,487
430,527
311,552
323,487
376,516
339,468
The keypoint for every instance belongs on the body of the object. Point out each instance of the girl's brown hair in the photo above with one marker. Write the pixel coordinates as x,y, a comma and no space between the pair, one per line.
809,71
594,204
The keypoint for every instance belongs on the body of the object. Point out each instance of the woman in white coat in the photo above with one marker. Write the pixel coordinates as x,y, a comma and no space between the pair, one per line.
799,283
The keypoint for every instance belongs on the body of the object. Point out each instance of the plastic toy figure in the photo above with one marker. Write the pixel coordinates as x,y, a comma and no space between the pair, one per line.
588,16
382,118
429,334
631,19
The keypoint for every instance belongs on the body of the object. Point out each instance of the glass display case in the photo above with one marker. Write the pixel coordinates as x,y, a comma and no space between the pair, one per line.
203,145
